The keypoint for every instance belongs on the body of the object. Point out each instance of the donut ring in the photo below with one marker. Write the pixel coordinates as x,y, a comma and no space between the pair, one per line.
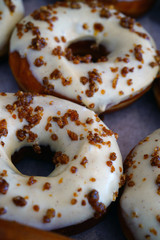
42,61
88,162
11,12
140,201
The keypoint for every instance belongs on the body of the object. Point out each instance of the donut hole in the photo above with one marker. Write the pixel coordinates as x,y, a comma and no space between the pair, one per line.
87,50
32,163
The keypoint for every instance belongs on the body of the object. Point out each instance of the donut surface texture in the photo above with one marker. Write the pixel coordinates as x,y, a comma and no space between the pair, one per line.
140,201
11,12
88,165
41,59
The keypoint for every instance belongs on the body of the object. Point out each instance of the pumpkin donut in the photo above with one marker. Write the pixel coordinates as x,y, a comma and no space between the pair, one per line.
85,53
11,12
140,201
88,164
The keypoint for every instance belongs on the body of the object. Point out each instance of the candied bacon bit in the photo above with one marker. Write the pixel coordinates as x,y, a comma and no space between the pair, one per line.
143,35
57,51
93,77
73,114
60,158
84,80
36,208
21,135
54,137
4,185
89,120
50,213
38,62
127,22
153,64
19,201
38,43
138,52
73,169
85,26
73,136
73,201
122,180
98,27
56,74
31,181
32,136
155,161
99,207
113,156
3,211
10,5
46,186
94,138
3,128
115,81
61,121
129,82
158,218
124,71
105,13
83,203
153,231
84,162
43,14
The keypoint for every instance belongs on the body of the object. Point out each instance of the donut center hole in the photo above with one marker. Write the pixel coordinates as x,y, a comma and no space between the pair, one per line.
87,51
34,163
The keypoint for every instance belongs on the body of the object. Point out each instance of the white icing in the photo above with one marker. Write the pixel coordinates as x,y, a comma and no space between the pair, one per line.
142,199
60,195
118,40
8,21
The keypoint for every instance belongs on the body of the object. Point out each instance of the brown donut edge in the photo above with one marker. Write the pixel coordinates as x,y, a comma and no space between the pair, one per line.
156,90
27,82
133,8
10,230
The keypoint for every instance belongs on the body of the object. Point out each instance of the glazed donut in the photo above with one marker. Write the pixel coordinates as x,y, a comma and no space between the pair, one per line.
11,12
45,55
88,165
140,200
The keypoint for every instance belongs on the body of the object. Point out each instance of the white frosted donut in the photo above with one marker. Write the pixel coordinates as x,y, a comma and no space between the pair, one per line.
140,201
11,12
88,162
40,45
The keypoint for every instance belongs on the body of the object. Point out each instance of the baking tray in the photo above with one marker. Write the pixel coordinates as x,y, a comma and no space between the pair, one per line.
132,123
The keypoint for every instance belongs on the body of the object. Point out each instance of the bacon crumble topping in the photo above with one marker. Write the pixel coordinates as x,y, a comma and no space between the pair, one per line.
99,207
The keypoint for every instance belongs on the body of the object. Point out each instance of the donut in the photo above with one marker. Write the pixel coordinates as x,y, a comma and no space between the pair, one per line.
132,8
79,52
11,12
88,166
22,232
140,200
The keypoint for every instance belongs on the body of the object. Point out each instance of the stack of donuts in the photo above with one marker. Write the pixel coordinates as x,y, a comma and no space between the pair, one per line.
75,60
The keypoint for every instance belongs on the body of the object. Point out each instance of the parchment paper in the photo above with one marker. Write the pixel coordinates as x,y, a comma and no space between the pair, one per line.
132,123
